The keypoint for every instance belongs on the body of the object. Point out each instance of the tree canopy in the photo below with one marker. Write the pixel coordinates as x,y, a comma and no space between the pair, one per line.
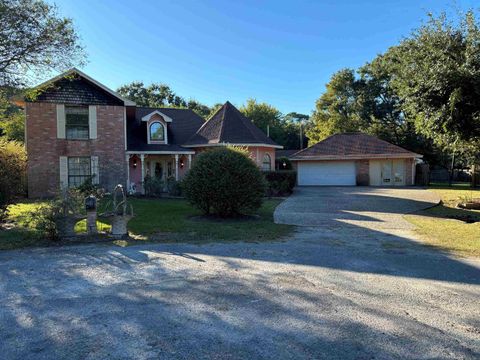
437,77
284,130
35,39
160,95
423,94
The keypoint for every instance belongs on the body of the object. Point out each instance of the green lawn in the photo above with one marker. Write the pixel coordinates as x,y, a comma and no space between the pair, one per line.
165,220
446,227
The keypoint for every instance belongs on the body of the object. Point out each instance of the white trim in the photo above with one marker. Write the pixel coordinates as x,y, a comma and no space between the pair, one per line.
235,144
165,135
92,121
126,102
125,126
176,167
189,161
156,112
160,152
127,157
61,122
357,157
142,181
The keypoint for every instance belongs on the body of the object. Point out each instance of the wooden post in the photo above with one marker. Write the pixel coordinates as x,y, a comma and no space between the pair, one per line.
189,161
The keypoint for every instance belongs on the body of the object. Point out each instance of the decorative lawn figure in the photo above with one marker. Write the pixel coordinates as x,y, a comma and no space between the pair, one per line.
225,182
121,212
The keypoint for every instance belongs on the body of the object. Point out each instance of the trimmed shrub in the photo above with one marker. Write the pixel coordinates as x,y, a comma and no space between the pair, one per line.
153,186
174,187
280,182
13,166
225,182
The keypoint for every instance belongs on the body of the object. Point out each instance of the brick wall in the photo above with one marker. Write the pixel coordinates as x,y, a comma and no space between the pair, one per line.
44,149
362,172
409,177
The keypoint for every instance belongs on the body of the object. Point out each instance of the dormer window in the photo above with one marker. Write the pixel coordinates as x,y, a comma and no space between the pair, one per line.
157,132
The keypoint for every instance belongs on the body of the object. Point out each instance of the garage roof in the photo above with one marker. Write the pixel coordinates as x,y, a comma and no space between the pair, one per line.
352,146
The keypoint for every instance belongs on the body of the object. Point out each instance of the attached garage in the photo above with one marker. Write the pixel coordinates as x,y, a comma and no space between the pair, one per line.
354,159
325,173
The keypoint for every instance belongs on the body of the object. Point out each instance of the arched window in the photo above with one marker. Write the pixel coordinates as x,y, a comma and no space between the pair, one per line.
157,132
267,163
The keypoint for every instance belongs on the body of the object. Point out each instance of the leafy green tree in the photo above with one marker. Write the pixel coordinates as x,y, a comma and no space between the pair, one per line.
262,115
35,39
295,125
201,109
437,77
213,110
337,109
153,95
160,95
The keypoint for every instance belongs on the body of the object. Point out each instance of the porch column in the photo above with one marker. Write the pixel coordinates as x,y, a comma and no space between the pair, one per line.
128,171
189,161
142,158
176,167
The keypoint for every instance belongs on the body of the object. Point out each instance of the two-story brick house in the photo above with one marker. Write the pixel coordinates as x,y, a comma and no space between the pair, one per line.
77,128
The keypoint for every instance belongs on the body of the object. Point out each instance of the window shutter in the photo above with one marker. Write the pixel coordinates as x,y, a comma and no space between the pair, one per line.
95,173
92,121
63,172
61,121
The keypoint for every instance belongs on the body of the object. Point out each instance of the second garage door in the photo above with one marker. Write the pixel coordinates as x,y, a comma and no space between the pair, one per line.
326,173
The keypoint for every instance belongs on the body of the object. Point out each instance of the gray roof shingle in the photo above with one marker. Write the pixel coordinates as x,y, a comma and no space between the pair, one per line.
185,123
351,145
229,125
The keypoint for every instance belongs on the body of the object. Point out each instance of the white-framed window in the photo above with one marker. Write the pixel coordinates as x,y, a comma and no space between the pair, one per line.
77,122
157,131
266,163
79,170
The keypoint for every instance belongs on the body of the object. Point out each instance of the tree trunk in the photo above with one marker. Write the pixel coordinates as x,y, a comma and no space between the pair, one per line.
452,167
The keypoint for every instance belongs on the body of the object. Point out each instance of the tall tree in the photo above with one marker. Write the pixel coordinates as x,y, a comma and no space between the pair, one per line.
35,39
437,77
153,95
160,95
262,115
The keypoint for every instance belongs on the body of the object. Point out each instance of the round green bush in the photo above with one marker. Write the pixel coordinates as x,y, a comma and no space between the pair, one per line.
224,182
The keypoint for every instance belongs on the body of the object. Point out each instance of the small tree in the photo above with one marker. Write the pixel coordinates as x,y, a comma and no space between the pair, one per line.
13,164
225,182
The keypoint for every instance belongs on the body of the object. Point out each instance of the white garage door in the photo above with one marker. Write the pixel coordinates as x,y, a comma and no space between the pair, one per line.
326,173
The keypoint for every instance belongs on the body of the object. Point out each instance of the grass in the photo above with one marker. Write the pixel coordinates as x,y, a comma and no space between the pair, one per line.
447,227
165,220
176,220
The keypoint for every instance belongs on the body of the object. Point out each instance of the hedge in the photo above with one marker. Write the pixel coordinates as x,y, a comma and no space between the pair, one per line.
280,182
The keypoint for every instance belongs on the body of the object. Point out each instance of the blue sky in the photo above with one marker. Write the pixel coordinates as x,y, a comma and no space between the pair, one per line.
279,52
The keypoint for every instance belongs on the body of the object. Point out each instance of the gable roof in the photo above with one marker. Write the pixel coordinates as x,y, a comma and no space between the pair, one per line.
229,126
185,123
352,146
48,94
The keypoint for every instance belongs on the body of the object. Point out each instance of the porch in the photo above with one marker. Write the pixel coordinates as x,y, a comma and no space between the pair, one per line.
158,166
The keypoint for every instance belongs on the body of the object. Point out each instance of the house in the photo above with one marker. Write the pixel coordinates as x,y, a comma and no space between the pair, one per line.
77,129
355,159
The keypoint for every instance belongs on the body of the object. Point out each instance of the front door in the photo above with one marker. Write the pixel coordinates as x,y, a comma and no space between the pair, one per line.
393,172
386,174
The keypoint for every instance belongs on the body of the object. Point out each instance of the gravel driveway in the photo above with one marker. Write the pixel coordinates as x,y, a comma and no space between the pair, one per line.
371,207
321,294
